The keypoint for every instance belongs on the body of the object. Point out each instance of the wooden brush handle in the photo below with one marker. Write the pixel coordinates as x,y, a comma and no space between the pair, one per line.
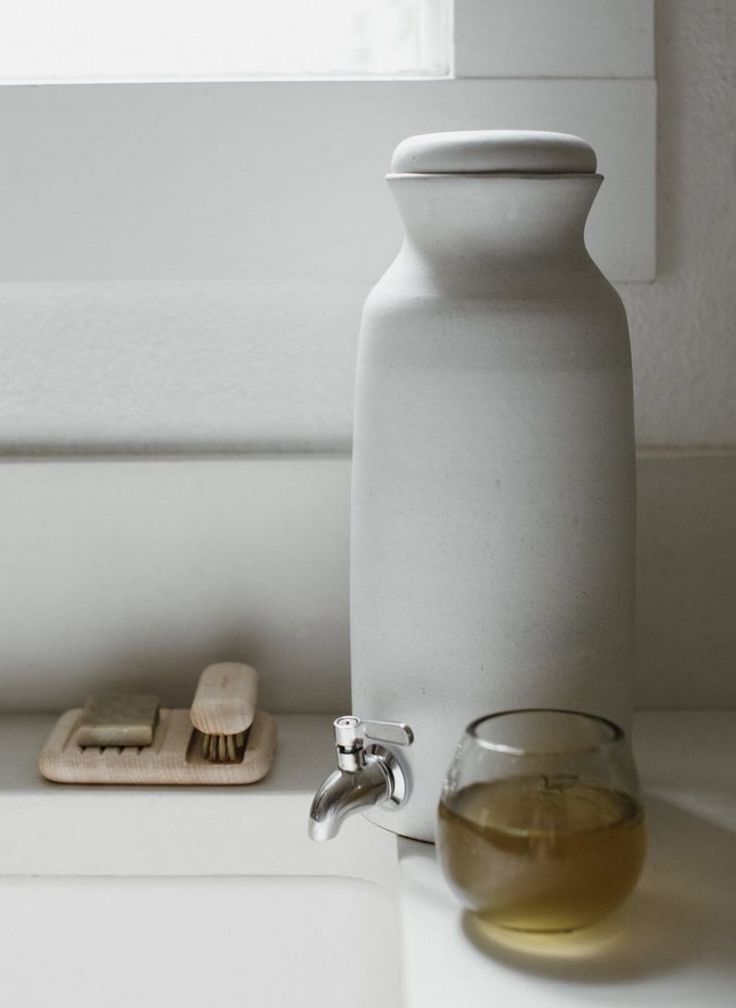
225,701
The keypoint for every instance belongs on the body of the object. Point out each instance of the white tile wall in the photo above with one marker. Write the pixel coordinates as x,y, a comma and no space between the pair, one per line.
177,366
139,573
136,574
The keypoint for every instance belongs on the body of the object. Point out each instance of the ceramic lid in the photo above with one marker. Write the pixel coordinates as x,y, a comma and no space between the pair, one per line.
481,151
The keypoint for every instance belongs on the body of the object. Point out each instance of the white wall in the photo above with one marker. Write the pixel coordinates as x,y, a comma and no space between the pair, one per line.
100,354
136,574
684,324
112,365
184,265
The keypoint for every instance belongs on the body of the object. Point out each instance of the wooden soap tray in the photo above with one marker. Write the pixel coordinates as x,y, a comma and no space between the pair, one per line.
224,703
174,758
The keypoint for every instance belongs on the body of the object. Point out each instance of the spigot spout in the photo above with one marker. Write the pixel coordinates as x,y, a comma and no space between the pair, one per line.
345,792
366,776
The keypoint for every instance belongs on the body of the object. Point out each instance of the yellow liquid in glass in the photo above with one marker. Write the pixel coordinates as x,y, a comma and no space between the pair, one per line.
539,853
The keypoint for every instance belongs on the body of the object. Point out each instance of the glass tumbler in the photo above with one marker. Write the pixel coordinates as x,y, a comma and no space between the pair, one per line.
540,823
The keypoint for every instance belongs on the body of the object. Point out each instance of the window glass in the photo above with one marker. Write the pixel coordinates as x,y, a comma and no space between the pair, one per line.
118,40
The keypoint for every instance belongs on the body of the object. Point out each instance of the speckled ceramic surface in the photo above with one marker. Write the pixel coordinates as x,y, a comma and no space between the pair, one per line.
493,477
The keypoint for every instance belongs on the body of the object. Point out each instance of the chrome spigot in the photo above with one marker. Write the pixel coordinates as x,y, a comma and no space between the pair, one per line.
367,775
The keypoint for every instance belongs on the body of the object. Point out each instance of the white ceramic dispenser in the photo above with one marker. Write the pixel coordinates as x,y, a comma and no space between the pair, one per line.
493,474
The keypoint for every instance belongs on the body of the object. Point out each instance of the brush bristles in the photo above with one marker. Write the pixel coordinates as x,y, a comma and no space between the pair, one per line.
223,748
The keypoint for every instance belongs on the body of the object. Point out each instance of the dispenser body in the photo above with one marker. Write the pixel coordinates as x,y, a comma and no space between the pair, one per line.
492,536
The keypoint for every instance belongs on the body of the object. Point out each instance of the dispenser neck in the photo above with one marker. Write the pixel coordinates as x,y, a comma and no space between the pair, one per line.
470,223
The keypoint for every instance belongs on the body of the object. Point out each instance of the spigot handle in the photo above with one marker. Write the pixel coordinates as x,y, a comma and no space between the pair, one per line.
392,732
351,731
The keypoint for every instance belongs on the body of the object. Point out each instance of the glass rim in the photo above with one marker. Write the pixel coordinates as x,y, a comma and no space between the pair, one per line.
618,735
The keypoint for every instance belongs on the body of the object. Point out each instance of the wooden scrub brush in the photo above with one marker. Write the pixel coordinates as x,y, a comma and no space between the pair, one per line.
223,709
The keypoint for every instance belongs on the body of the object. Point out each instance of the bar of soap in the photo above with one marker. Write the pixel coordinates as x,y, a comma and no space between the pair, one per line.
118,719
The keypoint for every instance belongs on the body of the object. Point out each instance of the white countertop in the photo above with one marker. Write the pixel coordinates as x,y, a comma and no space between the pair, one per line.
673,943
